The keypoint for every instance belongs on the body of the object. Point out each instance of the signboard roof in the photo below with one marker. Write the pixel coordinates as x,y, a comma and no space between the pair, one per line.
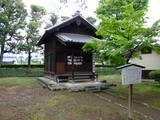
128,65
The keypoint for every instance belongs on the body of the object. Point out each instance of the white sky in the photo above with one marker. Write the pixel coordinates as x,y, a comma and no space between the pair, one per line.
153,10
70,10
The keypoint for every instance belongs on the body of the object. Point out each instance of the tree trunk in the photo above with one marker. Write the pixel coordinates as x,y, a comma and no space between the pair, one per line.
127,61
129,57
29,60
131,54
1,54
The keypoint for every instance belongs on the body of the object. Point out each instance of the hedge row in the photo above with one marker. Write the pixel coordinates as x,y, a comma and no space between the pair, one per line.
21,72
37,70
109,66
155,75
41,66
20,66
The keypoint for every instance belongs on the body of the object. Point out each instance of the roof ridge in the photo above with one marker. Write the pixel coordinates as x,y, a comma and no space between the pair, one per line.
62,23
54,27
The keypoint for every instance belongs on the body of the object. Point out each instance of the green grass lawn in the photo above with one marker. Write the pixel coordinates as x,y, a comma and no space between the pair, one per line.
18,81
76,106
21,99
145,92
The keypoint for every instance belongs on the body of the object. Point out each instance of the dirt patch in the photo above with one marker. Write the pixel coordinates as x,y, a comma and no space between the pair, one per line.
14,100
144,110
29,103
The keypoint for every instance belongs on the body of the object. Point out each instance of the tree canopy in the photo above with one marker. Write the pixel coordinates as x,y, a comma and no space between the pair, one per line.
112,8
12,21
92,20
124,32
32,29
54,18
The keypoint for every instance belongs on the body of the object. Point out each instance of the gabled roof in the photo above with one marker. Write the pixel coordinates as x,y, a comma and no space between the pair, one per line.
69,21
128,65
76,38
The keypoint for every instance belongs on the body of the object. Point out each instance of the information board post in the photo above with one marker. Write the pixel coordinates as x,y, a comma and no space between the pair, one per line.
130,93
131,74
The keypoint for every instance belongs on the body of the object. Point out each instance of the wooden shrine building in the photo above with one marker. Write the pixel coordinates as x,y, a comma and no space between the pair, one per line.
64,57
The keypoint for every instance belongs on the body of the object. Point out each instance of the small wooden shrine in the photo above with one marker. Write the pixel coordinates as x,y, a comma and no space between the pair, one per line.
64,57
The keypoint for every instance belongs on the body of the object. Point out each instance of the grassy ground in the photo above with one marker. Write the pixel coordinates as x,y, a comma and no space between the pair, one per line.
23,99
145,92
18,81
21,72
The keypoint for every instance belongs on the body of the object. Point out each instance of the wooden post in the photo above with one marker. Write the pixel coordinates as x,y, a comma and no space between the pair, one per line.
130,90
72,65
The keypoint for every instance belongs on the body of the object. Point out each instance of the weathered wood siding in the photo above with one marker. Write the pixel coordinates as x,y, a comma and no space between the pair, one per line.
56,53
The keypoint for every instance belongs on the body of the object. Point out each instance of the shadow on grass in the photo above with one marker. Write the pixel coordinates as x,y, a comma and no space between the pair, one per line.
157,85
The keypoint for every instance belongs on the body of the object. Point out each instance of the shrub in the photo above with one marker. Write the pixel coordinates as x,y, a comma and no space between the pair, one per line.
155,75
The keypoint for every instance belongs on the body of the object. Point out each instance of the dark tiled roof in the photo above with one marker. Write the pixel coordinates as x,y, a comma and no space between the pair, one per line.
76,38
69,21
72,20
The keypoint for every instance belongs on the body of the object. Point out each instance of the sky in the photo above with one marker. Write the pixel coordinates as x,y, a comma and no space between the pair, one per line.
153,11
50,5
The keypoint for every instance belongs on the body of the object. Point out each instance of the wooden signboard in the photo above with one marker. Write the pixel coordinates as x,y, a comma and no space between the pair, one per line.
131,74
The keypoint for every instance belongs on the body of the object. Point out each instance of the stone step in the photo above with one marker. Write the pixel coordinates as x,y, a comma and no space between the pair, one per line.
56,87
83,80
62,80
93,88
81,77
80,85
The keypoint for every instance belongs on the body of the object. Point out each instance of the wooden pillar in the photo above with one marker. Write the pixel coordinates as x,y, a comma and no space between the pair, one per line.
65,61
130,92
72,65
55,61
